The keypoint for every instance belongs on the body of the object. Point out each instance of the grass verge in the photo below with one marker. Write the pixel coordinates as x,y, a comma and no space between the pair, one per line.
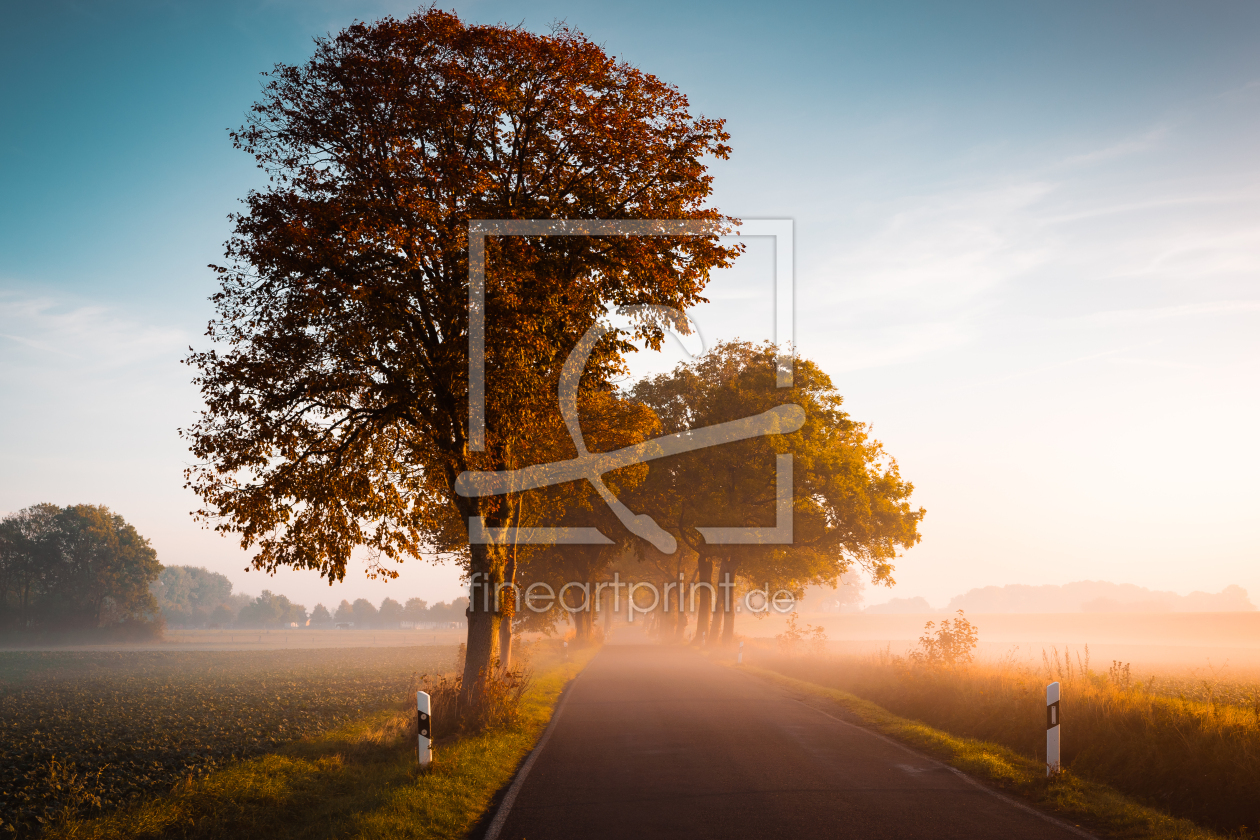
1094,806
359,781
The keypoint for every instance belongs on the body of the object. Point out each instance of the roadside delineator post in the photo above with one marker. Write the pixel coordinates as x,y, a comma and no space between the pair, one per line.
1052,729
424,728
740,659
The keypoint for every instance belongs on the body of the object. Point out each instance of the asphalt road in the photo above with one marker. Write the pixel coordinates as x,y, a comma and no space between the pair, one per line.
656,742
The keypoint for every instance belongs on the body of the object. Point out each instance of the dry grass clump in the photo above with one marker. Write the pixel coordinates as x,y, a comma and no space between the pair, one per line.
498,705
499,696
1195,757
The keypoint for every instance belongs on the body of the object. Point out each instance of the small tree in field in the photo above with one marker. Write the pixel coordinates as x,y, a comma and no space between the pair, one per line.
337,397
953,643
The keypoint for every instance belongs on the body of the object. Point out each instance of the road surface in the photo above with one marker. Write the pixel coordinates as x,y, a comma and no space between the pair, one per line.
655,742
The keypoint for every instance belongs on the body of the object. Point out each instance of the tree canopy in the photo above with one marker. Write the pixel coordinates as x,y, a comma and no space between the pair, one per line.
75,568
849,505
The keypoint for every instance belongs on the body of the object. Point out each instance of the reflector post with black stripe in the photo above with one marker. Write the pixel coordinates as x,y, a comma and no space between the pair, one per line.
424,726
1052,729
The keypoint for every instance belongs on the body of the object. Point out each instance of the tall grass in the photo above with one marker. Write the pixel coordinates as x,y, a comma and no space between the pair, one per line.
498,705
1192,757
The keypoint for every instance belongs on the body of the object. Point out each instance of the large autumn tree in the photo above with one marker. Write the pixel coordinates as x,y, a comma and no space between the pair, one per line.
337,393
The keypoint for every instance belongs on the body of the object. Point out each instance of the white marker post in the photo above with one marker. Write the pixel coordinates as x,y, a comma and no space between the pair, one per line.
740,659
424,727
1052,729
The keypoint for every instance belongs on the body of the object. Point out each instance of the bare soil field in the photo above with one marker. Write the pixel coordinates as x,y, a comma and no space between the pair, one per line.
87,731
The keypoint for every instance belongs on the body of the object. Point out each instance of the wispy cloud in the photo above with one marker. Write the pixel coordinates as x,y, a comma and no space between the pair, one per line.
939,250
44,332
1172,239
1164,313
1119,149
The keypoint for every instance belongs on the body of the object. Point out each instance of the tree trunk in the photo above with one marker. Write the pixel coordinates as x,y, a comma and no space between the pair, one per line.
704,606
727,574
680,630
483,621
608,616
680,621
715,624
581,628
505,643
507,609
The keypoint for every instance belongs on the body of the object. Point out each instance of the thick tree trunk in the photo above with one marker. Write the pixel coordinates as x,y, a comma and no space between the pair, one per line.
704,606
483,621
727,575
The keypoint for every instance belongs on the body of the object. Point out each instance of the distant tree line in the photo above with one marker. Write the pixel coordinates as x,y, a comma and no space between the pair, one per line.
391,613
271,610
83,568
191,596
77,568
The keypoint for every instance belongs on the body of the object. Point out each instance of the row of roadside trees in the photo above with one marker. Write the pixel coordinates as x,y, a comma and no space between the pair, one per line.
343,403
849,505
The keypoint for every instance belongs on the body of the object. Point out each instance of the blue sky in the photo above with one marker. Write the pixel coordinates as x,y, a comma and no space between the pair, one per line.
1028,250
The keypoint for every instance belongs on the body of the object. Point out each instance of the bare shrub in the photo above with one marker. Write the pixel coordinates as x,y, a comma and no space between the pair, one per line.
796,639
953,643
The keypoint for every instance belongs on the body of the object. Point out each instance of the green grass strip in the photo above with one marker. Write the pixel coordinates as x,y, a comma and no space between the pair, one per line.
359,781
1091,805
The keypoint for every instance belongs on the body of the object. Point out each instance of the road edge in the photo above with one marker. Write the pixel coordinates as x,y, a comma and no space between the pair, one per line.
518,780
